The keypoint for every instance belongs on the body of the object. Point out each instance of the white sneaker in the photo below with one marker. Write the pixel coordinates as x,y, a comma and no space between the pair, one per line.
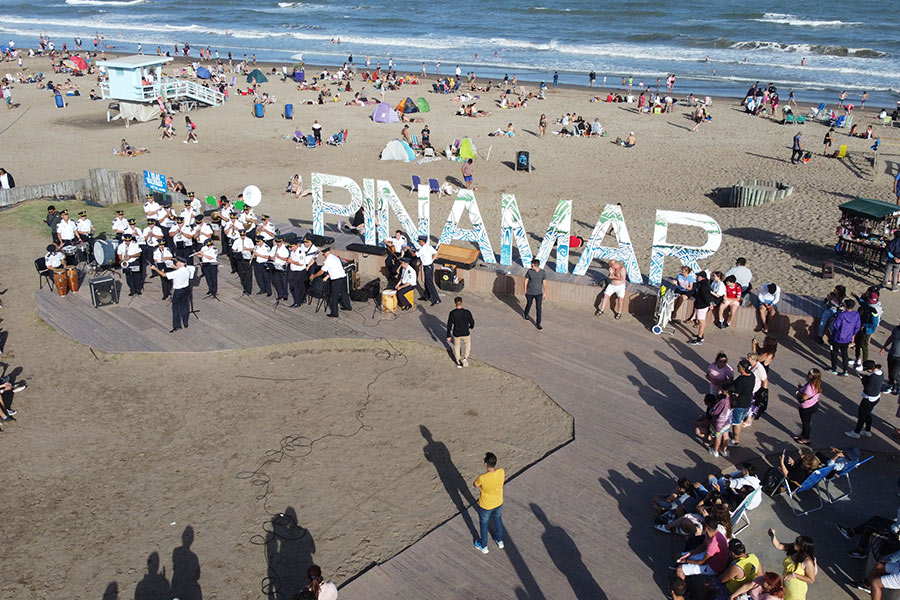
859,366
725,453
465,362
459,365
852,434
500,545
184,141
865,433
713,452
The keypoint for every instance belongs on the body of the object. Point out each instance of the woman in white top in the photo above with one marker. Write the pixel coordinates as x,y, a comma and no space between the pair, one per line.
318,588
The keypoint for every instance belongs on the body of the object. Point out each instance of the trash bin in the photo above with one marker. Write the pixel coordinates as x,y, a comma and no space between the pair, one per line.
522,161
60,103
288,111
299,76
258,110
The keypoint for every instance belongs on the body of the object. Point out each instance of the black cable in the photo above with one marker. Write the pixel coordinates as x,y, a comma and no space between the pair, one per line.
297,445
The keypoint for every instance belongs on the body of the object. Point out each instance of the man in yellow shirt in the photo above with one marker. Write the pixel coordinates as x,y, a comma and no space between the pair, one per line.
490,502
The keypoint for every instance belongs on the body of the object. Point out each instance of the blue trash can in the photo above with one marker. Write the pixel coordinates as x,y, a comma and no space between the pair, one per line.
258,109
60,103
288,111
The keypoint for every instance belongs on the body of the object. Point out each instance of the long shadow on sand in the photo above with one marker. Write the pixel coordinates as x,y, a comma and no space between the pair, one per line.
456,487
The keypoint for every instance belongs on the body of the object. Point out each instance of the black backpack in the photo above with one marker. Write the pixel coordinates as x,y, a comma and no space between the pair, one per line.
771,482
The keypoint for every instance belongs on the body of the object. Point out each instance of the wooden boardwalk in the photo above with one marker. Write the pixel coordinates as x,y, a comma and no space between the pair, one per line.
578,522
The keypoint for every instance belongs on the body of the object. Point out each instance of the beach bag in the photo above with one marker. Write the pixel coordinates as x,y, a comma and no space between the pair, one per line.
771,482
760,403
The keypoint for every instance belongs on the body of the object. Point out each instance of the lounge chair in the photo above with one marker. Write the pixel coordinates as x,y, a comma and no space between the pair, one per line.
847,122
789,119
839,122
811,483
434,187
845,472
455,87
336,139
814,112
416,180
740,513
311,141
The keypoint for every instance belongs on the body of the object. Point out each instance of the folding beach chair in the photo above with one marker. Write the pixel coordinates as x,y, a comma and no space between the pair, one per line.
814,112
434,187
789,119
811,483
416,180
847,122
844,473
336,139
839,122
740,513
310,141
665,303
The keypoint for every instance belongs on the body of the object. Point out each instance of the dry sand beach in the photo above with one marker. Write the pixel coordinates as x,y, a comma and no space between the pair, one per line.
118,460
670,168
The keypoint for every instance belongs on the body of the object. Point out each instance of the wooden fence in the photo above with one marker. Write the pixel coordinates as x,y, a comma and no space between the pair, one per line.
101,186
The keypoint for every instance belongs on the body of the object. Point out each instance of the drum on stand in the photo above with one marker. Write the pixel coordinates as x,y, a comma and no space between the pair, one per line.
389,301
61,281
105,253
72,278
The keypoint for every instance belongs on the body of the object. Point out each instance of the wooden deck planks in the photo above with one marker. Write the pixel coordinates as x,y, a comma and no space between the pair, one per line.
633,396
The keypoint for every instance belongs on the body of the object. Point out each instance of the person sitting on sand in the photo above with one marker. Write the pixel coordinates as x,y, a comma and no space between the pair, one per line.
630,141
293,185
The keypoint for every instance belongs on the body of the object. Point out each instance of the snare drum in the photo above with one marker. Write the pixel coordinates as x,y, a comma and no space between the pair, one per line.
72,278
61,281
105,252
389,301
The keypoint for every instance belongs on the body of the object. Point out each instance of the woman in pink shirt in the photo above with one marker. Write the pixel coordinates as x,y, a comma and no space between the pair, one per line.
718,373
808,395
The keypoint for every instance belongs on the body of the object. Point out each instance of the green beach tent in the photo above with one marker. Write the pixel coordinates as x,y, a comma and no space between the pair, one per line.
422,103
257,76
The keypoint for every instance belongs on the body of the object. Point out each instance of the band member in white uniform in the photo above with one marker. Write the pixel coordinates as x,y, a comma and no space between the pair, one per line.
129,252
209,266
54,258
203,230
396,249
164,261
225,212
187,213
262,254
196,204
153,235
131,229
280,256
248,220
242,251
119,224
65,230
266,230
426,254
152,208
84,229
232,230
301,260
407,282
181,292
333,271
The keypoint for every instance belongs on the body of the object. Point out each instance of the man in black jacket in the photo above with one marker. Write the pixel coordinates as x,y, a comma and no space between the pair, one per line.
892,268
6,180
459,324
52,220
703,299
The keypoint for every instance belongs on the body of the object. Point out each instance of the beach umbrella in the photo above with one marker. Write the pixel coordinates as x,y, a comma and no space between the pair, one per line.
79,62
467,149
257,76
203,73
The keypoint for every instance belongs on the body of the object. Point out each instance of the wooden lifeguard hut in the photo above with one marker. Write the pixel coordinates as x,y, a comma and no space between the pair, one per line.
138,89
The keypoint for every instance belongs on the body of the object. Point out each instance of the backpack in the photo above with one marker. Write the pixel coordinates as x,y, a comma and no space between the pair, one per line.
761,402
771,482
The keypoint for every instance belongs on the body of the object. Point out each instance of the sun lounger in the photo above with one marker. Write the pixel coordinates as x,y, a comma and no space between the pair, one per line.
845,472
811,484
434,187
740,513
416,180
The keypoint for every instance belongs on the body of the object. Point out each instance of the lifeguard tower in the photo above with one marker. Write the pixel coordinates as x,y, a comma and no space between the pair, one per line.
139,90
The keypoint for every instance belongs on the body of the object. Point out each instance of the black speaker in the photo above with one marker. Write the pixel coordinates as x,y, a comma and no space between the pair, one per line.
103,291
367,249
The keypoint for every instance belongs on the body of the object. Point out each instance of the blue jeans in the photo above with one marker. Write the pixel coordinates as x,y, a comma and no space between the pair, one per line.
484,515
823,321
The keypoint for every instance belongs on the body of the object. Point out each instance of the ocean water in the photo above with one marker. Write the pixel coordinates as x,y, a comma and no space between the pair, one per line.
712,47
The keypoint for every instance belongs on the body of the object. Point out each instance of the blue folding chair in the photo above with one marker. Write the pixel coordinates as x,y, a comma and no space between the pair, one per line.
434,186
811,483
740,513
416,180
845,472
311,141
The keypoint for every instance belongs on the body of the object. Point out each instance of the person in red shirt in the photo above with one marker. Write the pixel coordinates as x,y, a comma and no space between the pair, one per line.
730,304
710,557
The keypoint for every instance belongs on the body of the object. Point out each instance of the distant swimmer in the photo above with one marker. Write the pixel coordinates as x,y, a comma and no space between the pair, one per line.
802,62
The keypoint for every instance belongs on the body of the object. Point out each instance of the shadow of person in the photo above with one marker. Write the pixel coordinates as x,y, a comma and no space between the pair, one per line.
567,558
186,569
111,592
154,585
504,289
530,590
289,550
437,454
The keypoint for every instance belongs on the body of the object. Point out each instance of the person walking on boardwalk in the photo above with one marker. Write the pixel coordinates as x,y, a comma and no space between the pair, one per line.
459,327
535,282
490,502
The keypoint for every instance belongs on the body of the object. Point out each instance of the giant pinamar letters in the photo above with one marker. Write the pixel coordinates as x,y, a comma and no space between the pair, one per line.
378,200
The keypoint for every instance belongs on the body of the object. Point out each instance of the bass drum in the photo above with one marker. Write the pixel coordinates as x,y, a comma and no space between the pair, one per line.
105,252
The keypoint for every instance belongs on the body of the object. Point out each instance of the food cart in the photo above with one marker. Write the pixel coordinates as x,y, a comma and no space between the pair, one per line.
865,228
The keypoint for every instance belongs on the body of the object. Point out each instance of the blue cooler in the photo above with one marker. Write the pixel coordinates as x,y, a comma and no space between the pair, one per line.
288,111
258,108
60,103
